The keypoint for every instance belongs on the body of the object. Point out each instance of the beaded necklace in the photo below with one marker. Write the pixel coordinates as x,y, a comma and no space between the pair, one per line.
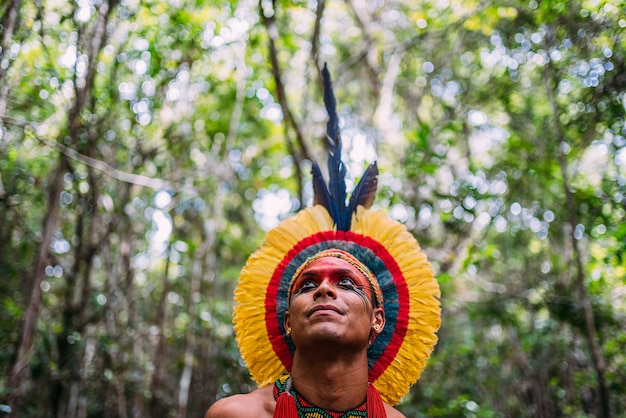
306,409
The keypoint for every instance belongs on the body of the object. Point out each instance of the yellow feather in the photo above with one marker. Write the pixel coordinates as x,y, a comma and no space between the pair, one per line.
425,311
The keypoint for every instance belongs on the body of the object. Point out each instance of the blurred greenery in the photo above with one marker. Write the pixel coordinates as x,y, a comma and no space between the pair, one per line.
146,148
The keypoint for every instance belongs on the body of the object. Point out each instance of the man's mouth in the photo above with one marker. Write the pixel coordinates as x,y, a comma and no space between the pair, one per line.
321,309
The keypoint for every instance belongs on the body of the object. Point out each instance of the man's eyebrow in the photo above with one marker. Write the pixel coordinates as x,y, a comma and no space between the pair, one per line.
314,272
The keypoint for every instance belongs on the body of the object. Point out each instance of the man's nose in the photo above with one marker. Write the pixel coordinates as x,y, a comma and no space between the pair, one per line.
325,288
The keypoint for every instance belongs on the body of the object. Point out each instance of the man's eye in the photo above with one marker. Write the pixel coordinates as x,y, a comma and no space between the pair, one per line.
347,283
306,285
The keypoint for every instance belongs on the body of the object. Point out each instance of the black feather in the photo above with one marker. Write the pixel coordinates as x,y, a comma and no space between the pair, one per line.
332,126
365,191
333,195
321,196
336,169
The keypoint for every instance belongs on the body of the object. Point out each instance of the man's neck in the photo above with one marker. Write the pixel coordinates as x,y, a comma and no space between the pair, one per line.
331,382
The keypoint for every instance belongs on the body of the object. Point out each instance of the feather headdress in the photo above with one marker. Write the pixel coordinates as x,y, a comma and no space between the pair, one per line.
405,277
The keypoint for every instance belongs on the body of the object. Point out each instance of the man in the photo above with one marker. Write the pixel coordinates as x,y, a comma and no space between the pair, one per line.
332,319
337,312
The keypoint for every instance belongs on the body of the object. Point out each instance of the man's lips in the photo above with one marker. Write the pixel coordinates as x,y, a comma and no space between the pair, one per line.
323,308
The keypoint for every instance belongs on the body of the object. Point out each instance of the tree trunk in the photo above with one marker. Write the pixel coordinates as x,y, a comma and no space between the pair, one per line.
7,28
597,357
194,293
159,359
20,368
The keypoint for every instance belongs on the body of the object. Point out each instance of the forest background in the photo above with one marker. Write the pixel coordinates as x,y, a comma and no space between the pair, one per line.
147,146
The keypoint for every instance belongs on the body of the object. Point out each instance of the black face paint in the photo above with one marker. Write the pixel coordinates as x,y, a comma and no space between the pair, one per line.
358,289
364,298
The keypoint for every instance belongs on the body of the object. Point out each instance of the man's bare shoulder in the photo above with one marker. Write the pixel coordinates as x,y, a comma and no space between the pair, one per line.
257,404
393,412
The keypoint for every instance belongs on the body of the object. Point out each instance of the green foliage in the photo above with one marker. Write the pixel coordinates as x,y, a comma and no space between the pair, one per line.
499,133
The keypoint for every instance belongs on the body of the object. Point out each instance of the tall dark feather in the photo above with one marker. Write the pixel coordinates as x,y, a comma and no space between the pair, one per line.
321,195
333,195
365,191
336,169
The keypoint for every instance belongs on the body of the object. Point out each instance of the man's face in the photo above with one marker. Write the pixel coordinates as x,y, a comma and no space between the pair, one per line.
332,301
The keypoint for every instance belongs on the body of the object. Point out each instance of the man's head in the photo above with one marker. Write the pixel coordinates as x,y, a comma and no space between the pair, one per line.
333,298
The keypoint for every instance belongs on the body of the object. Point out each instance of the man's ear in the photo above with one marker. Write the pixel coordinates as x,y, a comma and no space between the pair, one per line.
286,320
378,319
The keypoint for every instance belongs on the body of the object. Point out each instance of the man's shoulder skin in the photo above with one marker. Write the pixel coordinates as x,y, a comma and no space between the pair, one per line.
257,404
393,412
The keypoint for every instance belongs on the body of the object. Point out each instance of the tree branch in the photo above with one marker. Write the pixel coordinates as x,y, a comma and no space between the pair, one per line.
136,179
270,24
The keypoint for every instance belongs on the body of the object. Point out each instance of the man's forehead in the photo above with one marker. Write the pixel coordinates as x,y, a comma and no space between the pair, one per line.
332,264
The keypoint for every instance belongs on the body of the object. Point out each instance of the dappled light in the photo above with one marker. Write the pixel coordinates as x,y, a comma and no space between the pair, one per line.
147,147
